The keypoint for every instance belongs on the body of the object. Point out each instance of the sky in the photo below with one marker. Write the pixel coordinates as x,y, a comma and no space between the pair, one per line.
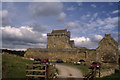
26,24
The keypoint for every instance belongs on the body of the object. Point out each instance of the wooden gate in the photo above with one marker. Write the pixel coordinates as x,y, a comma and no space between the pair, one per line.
37,71
41,71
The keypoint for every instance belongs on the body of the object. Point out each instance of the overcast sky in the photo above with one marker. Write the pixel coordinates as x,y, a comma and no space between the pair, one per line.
25,24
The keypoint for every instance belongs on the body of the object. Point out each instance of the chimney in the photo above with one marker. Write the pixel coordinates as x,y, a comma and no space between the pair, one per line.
107,35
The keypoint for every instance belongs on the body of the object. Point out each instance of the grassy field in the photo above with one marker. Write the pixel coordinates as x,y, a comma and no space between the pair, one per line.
14,66
82,68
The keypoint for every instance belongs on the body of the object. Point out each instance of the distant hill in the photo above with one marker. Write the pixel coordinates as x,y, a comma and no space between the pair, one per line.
19,53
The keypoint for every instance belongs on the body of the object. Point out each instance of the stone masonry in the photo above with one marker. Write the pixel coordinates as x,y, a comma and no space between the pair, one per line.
59,46
59,39
107,50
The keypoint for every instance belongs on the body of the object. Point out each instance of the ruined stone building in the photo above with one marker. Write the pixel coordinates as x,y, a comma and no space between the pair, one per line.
107,50
59,46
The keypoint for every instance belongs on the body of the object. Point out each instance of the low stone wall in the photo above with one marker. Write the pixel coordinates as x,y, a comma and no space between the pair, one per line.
107,69
106,72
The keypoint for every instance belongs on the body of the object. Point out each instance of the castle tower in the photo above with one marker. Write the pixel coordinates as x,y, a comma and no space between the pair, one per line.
59,39
107,50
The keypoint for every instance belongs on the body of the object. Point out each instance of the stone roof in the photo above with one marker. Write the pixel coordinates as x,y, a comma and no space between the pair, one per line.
59,31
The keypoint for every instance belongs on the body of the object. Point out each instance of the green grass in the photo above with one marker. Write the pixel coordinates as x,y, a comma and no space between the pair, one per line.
82,68
14,66
0,66
113,76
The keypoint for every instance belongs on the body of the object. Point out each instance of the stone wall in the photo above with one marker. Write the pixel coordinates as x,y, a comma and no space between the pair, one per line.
59,39
107,50
71,42
67,55
91,55
105,72
52,54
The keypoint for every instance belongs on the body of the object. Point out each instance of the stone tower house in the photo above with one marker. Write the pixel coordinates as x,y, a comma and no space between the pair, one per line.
107,50
59,39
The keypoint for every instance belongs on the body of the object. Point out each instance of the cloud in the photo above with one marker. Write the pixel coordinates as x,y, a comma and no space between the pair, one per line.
100,26
87,42
38,27
107,23
72,25
111,20
5,18
22,37
94,16
81,39
75,26
61,16
84,17
109,26
45,8
116,11
25,37
71,8
93,5
96,38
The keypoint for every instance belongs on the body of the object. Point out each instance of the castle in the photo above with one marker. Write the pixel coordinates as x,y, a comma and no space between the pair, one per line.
59,46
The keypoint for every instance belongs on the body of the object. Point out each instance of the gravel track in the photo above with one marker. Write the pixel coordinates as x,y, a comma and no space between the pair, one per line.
68,71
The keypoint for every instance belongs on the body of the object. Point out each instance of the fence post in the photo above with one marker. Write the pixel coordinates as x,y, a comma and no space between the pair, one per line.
45,71
99,72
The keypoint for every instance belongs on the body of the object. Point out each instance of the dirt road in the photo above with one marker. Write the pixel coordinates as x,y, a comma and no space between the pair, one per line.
68,71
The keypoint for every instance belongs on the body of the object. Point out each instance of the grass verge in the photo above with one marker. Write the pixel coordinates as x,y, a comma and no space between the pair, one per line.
14,66
115,76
